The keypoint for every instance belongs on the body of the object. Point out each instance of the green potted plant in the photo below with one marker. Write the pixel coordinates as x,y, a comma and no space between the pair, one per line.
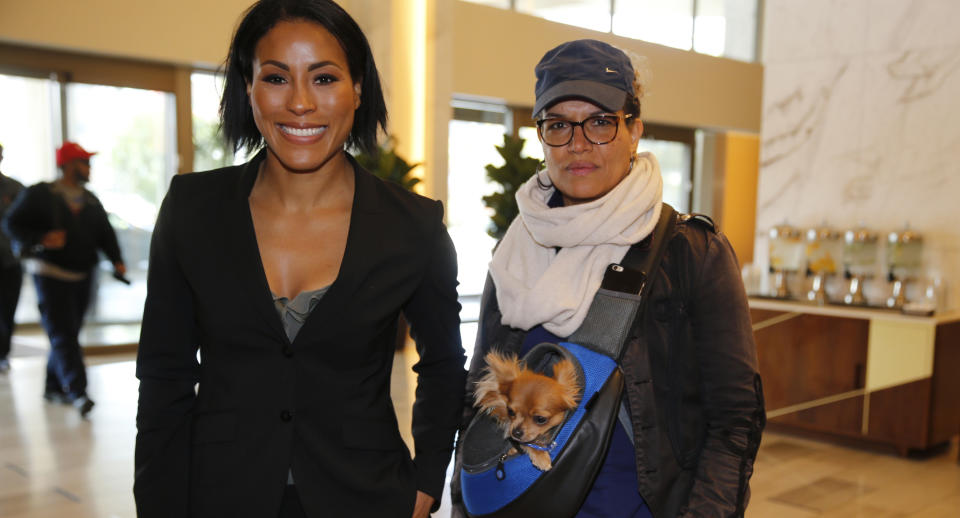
388,165
516,170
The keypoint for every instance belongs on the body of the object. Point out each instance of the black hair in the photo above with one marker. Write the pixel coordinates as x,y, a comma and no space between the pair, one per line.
236,117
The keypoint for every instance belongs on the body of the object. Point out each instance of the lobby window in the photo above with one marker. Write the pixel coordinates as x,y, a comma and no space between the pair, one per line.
210,149
589,14
30,127
674,148
133,132
667,22
724,28
475,131
503,4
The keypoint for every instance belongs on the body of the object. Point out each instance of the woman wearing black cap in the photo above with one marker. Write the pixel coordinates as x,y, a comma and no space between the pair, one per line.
592,200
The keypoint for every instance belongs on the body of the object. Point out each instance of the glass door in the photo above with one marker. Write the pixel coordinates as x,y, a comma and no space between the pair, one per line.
30,130
29,127
133,132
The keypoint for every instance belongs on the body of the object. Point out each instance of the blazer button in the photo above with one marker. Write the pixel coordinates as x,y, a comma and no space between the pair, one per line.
288,351
286,416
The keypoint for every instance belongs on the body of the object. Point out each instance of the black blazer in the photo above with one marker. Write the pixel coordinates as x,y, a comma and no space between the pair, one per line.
321,405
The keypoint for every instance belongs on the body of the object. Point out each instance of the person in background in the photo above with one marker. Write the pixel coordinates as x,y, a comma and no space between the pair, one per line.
696,419
288,274
11,275
61,226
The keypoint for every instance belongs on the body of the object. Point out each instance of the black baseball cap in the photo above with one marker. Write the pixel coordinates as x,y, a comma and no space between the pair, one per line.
584,69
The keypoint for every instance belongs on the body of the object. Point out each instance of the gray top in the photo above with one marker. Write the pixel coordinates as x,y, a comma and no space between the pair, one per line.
293,313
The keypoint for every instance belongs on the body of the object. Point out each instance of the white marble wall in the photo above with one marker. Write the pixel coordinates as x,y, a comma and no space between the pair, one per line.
861,121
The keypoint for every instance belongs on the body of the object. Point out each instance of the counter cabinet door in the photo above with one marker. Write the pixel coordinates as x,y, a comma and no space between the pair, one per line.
813,369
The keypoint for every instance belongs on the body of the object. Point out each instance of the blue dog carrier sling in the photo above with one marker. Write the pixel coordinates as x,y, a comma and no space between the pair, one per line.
495,481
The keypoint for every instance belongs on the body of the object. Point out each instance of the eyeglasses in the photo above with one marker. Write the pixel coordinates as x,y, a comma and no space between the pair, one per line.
600,129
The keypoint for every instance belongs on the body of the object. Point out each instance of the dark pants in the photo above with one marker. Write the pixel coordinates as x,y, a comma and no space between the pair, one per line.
291,507
10,280
62,306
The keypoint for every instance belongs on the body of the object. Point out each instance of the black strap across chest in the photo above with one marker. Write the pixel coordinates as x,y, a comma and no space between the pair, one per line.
614,310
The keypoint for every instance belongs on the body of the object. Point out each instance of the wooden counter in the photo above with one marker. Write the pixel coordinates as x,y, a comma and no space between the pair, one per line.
875,376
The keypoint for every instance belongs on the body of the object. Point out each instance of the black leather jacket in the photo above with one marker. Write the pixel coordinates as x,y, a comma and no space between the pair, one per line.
695,452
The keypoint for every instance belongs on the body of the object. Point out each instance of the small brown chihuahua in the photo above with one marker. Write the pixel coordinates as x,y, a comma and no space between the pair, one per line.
528,405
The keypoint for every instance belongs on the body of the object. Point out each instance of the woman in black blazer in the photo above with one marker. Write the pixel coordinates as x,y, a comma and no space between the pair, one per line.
288,274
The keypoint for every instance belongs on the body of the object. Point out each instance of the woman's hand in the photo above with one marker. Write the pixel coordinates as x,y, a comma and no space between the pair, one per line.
422,508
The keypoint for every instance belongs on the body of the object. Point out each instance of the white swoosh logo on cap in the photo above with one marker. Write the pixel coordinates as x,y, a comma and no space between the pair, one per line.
611,71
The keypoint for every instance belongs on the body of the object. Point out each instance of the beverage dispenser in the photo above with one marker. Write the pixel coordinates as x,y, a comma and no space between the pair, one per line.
904,263
786,256
824,253
859,262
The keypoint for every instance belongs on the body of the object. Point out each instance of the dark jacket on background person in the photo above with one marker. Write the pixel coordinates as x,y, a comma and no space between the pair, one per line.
39,209
697,435
9,190
319,407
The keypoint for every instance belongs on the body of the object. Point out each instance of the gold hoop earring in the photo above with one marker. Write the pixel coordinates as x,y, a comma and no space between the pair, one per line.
542,166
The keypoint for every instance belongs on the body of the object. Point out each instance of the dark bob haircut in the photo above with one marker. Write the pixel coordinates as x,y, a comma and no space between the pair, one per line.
236,116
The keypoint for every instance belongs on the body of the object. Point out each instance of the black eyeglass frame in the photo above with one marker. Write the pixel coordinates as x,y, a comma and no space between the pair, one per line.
573,128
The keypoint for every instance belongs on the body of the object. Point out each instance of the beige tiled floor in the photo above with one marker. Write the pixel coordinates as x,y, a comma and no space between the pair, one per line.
53,464
801,478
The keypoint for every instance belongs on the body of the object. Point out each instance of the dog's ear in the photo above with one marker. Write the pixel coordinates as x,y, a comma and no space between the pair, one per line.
566,375
505,368
492,389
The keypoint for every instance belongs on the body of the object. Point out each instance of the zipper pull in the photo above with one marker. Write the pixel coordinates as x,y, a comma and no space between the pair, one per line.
500,473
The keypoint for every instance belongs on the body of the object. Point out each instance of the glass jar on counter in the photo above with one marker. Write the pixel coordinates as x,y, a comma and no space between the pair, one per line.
860,251
824,253
904,254
824,250
786,256
859,262
786,248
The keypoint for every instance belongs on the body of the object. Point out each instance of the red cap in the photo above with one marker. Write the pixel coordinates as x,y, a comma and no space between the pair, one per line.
71,151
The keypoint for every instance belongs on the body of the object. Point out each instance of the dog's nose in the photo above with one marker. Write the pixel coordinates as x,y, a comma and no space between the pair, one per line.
517,433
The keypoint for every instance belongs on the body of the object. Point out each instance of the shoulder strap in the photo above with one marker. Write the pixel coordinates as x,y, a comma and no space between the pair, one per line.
613,311
647,258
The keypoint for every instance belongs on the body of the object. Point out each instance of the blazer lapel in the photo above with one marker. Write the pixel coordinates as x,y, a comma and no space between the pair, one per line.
362,240
242,257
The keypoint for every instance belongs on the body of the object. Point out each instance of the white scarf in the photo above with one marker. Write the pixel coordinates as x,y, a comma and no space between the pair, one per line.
536,284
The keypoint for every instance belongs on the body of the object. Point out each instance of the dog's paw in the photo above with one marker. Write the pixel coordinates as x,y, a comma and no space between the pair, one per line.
540,459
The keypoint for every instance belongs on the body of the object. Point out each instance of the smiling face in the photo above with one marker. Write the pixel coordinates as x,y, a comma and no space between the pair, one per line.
583,171
302,95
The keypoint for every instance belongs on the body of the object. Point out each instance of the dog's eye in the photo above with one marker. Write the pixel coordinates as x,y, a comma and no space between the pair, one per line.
511,413
540,420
